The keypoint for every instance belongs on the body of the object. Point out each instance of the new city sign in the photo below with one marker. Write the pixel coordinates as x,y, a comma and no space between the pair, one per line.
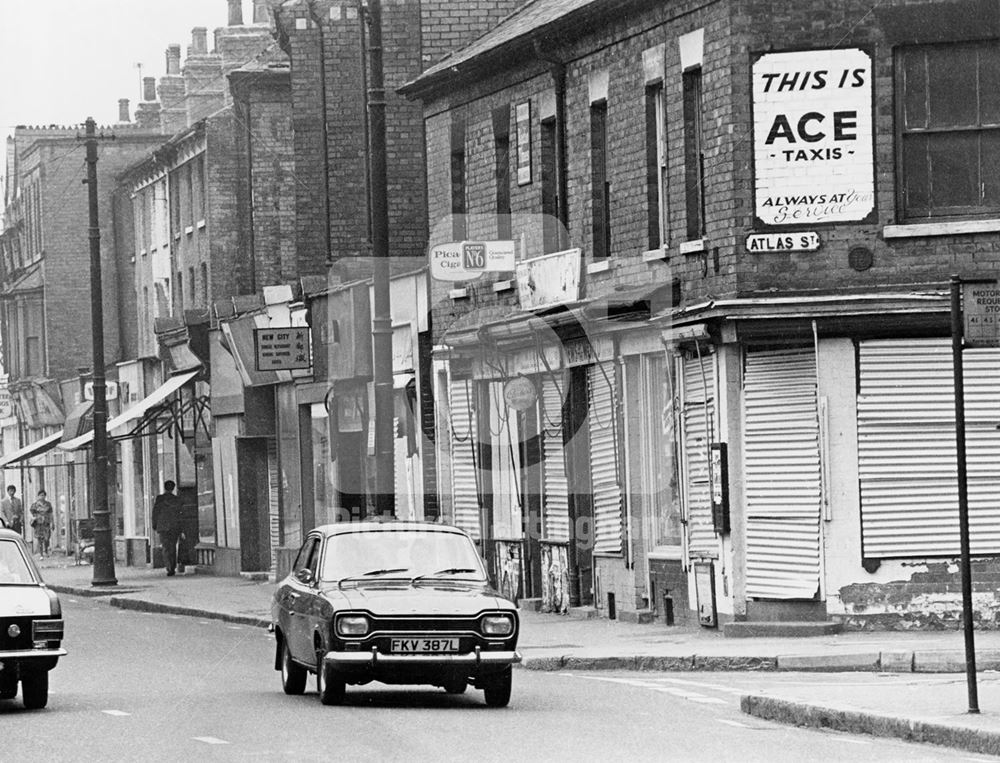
468,260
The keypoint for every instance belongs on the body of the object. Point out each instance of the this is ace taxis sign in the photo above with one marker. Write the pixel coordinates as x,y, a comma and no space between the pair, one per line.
814,158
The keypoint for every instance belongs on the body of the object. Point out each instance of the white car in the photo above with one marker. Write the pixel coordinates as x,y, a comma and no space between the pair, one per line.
31,625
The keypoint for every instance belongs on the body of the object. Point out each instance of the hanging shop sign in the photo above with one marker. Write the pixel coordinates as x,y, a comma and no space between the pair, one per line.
981,314
552,279
814,157
282,349
6,403
519,393
468,260
803,241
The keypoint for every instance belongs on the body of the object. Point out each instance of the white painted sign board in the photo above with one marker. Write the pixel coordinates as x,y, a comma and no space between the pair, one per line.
282,349
981,314
814,157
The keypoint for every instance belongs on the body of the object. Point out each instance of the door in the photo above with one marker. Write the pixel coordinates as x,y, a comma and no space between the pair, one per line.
252,475
295,600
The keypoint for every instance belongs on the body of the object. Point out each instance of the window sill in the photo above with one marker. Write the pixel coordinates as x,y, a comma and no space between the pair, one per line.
462,293
953,228
603,266
189,230
142,252
503,286
655,255
693,247
177,237
201,224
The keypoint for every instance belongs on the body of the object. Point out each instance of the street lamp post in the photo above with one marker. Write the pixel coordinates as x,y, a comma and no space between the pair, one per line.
104,561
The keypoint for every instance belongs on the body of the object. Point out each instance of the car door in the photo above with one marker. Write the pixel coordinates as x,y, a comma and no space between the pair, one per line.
296,600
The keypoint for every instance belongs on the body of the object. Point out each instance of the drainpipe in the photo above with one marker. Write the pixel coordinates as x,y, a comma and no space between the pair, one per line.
326,130
558,71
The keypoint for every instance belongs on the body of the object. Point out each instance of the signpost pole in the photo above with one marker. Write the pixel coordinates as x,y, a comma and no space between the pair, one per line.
963,491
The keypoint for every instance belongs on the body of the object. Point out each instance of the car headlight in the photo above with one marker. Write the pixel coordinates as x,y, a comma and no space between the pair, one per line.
497,625
352,625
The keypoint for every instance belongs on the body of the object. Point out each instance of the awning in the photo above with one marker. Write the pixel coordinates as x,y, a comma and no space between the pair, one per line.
157,396
34,449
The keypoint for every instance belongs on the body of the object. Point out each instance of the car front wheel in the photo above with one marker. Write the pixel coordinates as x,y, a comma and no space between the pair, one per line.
293,675
497,688
329,683
35,690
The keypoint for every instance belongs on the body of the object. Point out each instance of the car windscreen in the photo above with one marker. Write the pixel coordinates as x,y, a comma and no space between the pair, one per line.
14,569
404,553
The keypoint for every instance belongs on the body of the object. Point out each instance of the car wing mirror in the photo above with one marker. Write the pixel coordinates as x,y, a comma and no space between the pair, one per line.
304,575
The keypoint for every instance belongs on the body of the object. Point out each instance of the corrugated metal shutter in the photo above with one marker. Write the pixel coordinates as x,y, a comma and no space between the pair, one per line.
273,501
555,485
781,474
465,495
698,410
907,459
604,482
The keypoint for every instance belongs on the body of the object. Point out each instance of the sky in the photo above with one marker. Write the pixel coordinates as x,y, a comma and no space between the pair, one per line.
62,61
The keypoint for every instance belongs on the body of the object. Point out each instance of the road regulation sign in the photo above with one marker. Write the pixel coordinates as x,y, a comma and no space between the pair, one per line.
981,314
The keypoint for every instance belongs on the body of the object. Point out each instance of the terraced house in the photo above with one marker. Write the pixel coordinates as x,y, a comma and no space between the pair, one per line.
716,384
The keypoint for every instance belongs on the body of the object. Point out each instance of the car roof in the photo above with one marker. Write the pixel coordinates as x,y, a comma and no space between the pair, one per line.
10,534
385,525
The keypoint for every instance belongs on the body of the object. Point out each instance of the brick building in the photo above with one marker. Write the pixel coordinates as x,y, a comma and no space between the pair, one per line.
44,249
716,383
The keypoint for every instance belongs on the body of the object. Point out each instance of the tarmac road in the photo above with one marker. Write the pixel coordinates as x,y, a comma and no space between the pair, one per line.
141,686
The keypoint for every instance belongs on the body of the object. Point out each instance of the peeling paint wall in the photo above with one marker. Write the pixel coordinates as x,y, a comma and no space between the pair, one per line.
930,598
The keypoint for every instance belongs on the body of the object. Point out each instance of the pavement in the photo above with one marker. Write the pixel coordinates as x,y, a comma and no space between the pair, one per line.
550,642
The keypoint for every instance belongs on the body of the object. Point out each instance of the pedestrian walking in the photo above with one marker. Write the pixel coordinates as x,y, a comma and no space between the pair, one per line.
12,510
41,522
167,522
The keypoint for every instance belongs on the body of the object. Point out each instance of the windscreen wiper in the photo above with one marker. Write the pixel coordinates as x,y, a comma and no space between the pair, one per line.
370,574
445,571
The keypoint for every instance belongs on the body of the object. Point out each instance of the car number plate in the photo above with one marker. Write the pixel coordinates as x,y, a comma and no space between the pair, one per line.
424,645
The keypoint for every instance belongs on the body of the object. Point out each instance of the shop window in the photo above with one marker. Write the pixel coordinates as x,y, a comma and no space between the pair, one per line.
948,129
694,158
600,187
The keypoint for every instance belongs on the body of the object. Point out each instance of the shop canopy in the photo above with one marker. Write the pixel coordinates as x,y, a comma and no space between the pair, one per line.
137,411
34,449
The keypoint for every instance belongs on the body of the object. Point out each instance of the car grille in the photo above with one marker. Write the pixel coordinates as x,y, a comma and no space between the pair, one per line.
424,624
23,641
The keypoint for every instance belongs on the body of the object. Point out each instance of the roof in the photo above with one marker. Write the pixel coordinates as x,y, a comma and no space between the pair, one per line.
531,21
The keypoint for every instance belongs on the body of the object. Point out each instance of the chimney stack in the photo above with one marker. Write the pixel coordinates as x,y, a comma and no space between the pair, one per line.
149,89
235,13
173,59
199,41
260,12
123,115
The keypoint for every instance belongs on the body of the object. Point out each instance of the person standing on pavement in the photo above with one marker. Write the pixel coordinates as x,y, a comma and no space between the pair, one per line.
12,510
41,522
167,522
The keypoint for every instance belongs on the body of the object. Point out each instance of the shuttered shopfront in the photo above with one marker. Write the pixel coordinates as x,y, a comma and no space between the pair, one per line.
781,474
465,495
604,458
555,487
906,448
699,428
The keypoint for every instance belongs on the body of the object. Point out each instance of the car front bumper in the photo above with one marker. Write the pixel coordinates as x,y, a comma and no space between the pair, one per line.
28,654
374,658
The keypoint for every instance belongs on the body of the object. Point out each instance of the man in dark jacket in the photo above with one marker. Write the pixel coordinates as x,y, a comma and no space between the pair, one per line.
167,522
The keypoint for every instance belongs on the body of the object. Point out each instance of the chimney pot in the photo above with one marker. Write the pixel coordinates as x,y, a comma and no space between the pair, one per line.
199,40
149,89
260,12
235,12
173,59
123,115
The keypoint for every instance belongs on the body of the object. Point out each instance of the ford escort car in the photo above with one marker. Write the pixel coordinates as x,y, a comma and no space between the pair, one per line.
395,602
31,625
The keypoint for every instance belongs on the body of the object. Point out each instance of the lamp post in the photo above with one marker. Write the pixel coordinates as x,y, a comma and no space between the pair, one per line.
104,561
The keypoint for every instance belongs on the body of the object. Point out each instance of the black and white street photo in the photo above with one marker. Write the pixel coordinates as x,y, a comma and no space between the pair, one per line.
449,380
